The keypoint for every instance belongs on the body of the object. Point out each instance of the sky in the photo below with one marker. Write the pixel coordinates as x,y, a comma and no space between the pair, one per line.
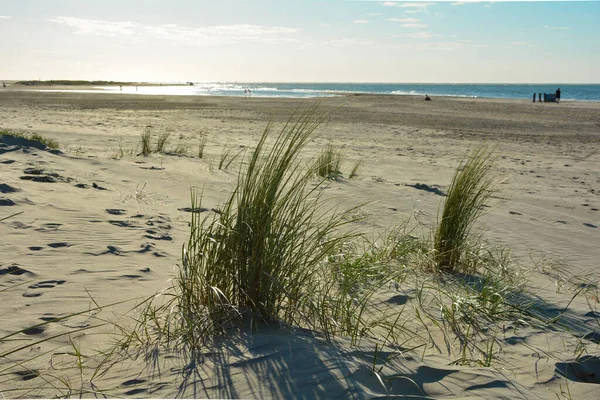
301,41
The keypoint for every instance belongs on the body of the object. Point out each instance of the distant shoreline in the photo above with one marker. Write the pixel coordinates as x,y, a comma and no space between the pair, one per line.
586,94
92,83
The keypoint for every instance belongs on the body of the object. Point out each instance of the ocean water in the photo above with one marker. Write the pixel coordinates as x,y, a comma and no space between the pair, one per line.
585,92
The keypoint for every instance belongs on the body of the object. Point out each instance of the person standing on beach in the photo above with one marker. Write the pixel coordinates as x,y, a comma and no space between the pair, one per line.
558,95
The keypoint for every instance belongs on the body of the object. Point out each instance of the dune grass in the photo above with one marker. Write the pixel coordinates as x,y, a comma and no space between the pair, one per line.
146,138
48,142
471,187
162,140
328,164
228,157
201,147
270,256
354,172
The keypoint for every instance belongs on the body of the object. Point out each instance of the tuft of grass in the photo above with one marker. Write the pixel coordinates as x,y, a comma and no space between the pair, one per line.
146,141
227,157
48,142
181,149
268,256
356,169
471,187
329,163
201,147
162,140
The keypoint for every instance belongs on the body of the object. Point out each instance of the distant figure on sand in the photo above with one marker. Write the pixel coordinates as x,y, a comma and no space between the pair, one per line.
534,97
3,84
558,95
427,97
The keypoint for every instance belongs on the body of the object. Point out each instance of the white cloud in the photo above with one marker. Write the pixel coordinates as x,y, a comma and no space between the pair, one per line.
405,20
374,14
414,25
94,27
208,35
420,35
444,46
347,42
4,17
360,21
559,28
421,5
459,3
389,3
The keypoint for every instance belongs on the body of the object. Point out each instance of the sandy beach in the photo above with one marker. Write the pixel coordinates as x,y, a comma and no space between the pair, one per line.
100,224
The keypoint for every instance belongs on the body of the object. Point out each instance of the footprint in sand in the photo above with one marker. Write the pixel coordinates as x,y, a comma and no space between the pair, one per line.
35,248
589,225
6,202
50,284
162,236
584,369
27,375
35,330
124,224
115,211
49,227
4,188
15,270
58,245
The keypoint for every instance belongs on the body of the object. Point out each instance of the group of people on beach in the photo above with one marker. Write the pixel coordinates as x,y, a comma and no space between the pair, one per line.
247,92
556,96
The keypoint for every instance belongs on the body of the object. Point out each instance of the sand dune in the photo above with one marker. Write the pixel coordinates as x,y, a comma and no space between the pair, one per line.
99,226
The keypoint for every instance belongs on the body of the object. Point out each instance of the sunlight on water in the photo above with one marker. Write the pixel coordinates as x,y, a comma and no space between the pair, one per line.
305,90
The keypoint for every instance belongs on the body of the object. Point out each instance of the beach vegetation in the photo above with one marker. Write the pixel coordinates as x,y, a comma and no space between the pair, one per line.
228,156
471,187
163,139
36,137
146,138
271,255
328,164
356,167
201,147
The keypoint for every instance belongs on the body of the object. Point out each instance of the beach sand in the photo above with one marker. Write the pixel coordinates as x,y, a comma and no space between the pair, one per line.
98,226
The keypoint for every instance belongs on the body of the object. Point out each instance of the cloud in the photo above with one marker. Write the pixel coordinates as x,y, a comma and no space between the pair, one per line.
209,35
389,3
420,35
374,14
420,5
443,46
347,42
559,28
94,27
518,43
4,17
458,3
405,20
414,25
360,21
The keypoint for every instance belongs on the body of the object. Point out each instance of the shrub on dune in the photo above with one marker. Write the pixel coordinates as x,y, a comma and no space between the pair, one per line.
471,187
264,256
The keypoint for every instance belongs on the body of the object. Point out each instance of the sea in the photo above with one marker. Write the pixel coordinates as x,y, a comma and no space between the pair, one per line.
581,92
